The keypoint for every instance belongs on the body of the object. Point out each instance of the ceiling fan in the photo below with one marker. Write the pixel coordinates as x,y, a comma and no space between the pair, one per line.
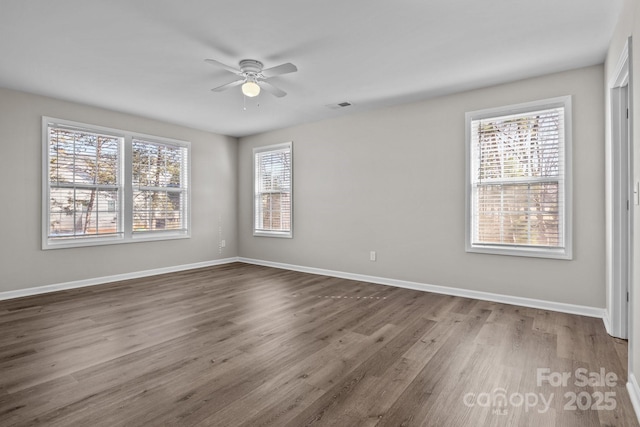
253,77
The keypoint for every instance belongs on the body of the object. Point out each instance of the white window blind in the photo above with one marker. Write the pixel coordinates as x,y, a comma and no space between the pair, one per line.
105,186
272,190
518,186
159,187
84,184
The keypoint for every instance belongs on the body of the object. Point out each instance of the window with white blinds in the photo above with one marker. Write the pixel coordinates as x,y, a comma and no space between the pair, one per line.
519,180
273,191
159,187
85,184
105,186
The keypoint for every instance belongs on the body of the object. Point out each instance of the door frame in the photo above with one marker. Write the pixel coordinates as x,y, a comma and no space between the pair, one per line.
622,198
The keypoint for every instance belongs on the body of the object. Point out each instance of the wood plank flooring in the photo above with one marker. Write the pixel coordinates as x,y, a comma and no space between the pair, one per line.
243,345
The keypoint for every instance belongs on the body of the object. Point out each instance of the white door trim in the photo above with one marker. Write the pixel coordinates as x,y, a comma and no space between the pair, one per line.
621,199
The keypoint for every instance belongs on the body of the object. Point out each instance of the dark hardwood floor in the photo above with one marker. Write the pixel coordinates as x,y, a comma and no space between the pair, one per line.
243,345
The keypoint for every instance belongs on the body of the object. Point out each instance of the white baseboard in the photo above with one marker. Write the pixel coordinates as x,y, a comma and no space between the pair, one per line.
607,322
466,293
486,296
107,279
634,393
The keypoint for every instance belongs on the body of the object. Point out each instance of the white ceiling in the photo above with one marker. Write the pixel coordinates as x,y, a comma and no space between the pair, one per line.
145,57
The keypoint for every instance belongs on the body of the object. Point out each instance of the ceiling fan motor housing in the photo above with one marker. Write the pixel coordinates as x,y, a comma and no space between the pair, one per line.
251,66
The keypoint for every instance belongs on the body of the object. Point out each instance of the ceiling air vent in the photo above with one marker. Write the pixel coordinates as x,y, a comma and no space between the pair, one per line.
340,105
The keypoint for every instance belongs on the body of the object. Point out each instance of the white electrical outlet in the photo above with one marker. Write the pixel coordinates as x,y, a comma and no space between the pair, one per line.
372,256
223,243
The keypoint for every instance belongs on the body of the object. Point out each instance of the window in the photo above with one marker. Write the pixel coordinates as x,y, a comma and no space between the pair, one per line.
272,191
518,179
105,186
159,187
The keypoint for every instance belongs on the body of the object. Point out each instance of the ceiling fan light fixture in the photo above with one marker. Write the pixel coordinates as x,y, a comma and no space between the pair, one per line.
253,78
250,89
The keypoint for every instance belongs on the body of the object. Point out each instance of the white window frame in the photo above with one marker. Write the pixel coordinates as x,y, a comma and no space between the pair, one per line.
125,205
566,251
183,191
272,233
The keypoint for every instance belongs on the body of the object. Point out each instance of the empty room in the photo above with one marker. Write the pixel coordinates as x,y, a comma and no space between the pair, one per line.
288,213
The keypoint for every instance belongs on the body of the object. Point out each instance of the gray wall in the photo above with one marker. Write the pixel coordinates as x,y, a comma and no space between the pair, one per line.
22,262
393,181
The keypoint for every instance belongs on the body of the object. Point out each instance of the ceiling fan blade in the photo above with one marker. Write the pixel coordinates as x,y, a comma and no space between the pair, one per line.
223,66
228,85
271,89
279,69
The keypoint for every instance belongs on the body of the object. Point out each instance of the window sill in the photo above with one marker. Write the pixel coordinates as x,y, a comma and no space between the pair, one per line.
280,234
81,243
556,253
